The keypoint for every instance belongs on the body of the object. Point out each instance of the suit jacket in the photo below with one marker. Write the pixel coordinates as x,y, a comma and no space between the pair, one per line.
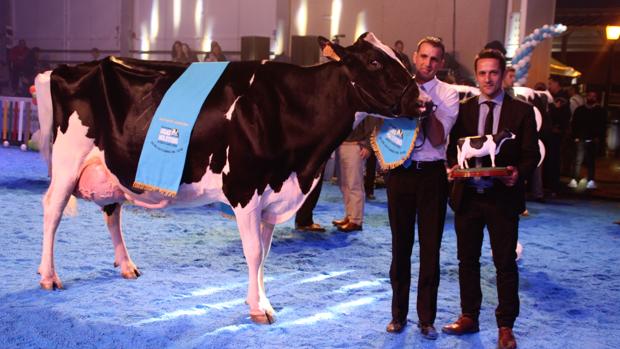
522,152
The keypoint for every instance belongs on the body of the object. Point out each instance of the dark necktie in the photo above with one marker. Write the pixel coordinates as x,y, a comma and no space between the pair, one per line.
488,123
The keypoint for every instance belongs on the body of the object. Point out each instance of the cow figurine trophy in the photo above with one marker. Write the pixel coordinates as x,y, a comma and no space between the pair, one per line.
478,147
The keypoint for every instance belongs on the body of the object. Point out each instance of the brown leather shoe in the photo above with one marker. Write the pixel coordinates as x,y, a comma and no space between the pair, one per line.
314,227
463,325
349,227
339,222
396,326
506,339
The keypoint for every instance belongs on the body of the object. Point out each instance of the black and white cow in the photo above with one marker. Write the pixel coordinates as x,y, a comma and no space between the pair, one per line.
259,142
479,146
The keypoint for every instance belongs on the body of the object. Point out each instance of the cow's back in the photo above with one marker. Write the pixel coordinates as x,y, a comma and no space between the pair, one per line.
116,99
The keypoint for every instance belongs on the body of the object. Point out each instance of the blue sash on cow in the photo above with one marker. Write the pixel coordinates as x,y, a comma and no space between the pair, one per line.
163,155
394,141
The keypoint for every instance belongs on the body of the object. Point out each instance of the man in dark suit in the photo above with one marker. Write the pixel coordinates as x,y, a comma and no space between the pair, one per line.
491,202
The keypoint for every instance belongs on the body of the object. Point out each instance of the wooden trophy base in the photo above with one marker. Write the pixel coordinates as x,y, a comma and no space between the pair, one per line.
481,172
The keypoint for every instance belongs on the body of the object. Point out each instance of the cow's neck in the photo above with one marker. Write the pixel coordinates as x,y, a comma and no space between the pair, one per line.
320,107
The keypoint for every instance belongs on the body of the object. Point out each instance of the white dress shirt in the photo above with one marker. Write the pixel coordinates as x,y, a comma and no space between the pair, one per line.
446,98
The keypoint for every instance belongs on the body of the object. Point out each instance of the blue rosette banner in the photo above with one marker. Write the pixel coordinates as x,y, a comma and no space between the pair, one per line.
394,140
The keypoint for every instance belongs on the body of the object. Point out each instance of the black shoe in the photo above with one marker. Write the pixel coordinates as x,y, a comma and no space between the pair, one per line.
396,326
370,197
428,331
314,227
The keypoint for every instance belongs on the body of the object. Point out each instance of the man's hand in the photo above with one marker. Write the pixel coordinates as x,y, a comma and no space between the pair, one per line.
364,153
449,172
512,178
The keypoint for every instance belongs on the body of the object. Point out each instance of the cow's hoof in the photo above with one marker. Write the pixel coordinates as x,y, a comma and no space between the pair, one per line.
132,273
51,285
263,319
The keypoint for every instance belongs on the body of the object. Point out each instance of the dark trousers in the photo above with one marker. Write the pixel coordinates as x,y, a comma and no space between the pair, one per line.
586,154
303,217
551,168
371,173
416,192
478,211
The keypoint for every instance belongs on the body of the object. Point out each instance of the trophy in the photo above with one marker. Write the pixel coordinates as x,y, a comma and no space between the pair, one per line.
477,147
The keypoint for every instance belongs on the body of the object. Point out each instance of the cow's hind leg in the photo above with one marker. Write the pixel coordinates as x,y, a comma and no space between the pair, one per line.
112,216
70,150
266,234
54,202
250,230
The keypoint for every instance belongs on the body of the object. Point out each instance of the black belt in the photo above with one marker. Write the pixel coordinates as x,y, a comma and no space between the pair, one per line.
425,165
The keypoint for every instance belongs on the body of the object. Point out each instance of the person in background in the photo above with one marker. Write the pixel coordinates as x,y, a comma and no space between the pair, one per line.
492,202
509,81
17,63
370,174
587,130
188,54
95,53
575,99
216,54
559,112
399,49
352,155
176,54
418,191
303,217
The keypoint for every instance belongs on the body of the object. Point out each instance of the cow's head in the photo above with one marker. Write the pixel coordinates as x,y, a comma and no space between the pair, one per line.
503,135
380,80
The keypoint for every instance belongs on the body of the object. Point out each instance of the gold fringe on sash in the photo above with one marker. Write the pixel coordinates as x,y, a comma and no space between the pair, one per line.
148,187
388,166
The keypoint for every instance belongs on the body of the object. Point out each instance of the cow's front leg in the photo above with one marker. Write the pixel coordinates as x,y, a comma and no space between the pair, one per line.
492,155
266,235
112,217
250,231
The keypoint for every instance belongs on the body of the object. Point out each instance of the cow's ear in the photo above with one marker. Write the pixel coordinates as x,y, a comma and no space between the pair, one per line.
330,50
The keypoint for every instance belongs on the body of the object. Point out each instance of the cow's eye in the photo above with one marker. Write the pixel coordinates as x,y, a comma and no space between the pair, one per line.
375,65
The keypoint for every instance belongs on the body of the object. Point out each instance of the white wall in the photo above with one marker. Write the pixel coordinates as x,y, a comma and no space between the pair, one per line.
84,24
67,24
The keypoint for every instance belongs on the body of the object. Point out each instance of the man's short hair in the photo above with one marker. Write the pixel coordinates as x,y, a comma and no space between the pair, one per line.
493,54
511,68
433,41
399,42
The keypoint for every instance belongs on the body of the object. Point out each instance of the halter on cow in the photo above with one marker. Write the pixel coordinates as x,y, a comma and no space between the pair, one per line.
258,144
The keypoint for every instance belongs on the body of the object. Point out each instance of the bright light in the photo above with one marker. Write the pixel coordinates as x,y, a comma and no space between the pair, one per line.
154,20
301,20
176,17
360,25
145,44
278,46
613,32
206,38
335,20
325,276
198,17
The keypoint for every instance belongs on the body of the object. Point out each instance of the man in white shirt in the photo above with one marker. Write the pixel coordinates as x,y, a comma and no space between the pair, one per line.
419,189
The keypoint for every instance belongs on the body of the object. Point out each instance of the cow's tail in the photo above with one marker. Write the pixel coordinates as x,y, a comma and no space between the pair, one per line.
46,117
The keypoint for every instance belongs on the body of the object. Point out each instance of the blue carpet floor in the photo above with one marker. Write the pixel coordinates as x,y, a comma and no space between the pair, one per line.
331,290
